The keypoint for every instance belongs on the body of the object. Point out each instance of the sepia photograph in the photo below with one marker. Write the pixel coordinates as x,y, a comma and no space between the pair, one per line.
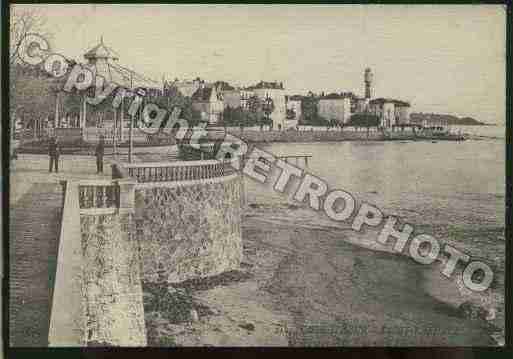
253,175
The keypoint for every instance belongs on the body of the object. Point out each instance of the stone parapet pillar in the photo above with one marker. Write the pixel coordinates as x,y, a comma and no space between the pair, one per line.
112,272
126,195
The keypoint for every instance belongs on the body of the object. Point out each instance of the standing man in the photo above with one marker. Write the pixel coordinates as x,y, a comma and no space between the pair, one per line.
100,149
53,152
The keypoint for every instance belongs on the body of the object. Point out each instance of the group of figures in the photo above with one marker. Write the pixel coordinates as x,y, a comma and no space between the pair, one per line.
54,151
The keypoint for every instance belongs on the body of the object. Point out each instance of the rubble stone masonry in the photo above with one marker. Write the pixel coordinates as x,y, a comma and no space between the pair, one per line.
189,230
112,285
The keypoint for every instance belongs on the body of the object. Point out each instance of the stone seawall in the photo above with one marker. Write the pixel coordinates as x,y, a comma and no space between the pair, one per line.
307,136
189,230
255,136
113,306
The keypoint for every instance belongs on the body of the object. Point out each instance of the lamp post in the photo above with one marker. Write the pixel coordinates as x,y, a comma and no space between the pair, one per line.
114,135
130,137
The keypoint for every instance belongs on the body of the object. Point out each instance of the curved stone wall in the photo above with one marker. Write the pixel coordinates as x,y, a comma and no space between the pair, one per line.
189,230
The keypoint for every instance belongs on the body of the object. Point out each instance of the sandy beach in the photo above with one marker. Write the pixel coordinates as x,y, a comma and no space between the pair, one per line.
305,286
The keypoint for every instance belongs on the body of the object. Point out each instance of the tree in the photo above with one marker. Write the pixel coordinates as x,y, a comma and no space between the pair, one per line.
366,120
255,104
291,114
175,99
255,111
233,116
333,123
33,93
23,22
239,116
309,110
227,116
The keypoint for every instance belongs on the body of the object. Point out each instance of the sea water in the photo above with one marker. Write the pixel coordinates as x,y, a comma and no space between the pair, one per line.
454,191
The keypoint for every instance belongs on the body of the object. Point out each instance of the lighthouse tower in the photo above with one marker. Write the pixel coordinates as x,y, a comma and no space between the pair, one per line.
368,77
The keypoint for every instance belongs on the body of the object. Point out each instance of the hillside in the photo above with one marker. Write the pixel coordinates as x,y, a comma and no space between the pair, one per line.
451,120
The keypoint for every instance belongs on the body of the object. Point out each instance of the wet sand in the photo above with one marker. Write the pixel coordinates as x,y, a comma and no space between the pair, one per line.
307,286
341,294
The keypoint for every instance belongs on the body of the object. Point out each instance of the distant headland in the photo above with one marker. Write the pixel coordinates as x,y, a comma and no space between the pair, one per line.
450,120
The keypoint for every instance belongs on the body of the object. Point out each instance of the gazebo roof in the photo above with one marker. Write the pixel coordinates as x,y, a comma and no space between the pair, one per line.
113,71
101,51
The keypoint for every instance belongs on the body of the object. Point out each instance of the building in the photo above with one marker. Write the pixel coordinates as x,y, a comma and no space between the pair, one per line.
231,96
208,101
293,103
391,112
245,95
335,107
275,92
185,87
360,105
402,112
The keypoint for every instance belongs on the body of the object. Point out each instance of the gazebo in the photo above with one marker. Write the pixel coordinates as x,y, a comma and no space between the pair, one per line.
103,61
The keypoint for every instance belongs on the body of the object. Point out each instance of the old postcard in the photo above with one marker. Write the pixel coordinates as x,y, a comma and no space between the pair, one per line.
256,175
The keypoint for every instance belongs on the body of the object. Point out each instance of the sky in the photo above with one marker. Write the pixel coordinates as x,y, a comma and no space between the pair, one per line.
442,58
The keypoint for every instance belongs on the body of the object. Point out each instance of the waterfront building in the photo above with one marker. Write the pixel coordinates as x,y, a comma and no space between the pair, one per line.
245,95
391,112
294,104
232,98
275,92
402,112
208,101
359,105
230,95
185,87
335,107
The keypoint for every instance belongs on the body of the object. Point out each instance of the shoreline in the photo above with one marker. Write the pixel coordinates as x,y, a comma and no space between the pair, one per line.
288,136
253,136
306,286
87,148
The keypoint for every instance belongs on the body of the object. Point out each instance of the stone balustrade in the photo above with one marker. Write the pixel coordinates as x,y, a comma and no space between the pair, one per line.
98,194
178,171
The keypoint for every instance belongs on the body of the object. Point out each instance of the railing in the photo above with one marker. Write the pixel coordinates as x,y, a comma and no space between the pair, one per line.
92,134
285,158
98,195
179,170
68,134
24,134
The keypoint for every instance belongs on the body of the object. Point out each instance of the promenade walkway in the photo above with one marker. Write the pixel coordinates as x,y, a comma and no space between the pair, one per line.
35,217
34,234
